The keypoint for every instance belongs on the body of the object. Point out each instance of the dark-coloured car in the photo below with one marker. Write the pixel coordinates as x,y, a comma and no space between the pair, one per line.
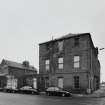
28,90
55,91
10,90
1,89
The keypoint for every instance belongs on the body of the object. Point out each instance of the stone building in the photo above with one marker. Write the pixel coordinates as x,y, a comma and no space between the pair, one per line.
16,74
70,62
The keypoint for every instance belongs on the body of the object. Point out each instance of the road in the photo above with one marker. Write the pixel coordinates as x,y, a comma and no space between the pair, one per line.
22,99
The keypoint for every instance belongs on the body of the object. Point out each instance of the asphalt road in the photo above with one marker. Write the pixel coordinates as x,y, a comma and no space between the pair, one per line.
22,99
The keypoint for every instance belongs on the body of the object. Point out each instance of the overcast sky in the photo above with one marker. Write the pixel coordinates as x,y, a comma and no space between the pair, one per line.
26,23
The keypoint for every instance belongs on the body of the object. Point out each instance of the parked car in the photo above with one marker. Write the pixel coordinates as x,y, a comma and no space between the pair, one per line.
1,89
55,91
28,90
10,90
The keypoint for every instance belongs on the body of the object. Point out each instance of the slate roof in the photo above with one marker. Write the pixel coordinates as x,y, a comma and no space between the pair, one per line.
71,35
67,36
17,65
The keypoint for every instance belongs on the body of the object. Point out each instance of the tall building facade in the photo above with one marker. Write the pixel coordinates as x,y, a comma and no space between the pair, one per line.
70,62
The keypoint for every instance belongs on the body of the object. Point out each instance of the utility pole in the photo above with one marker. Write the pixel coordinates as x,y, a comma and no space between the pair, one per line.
91,69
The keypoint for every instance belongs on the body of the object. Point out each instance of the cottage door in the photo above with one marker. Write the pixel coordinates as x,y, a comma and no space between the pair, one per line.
35,83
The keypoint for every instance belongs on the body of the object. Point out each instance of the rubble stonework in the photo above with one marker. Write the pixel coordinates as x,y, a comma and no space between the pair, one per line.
73,63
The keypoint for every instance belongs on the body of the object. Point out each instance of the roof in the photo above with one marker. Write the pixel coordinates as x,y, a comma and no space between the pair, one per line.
67,36
17,65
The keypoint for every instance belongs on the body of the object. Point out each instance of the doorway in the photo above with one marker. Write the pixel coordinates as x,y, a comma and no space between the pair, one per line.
60,82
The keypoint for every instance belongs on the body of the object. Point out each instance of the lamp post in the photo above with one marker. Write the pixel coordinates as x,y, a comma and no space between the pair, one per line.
100,50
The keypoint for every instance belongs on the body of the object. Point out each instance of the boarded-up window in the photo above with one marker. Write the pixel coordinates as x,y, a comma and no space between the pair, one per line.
60,82
60,45
35,83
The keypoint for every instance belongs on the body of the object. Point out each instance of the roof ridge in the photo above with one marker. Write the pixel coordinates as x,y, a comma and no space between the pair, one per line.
69,35
12,61
18,65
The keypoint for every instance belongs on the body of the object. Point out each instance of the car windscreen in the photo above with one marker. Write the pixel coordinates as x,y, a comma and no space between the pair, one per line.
53,89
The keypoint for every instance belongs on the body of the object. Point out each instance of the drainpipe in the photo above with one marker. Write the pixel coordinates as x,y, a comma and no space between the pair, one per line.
90,73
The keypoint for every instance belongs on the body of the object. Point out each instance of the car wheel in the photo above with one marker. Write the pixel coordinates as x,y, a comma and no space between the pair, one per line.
63,94
48,94
32,92
13,91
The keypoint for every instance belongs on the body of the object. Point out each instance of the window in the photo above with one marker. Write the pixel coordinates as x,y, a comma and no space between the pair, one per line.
47,46
60,45
46,82
76,61
76,82
76,41
47,65
60,63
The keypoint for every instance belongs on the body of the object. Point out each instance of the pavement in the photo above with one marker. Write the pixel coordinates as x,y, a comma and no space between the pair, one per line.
28,99
73,95
97,94
86,96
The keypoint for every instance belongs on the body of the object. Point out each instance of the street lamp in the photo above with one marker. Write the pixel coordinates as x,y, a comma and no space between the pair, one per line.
101,48
91,74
